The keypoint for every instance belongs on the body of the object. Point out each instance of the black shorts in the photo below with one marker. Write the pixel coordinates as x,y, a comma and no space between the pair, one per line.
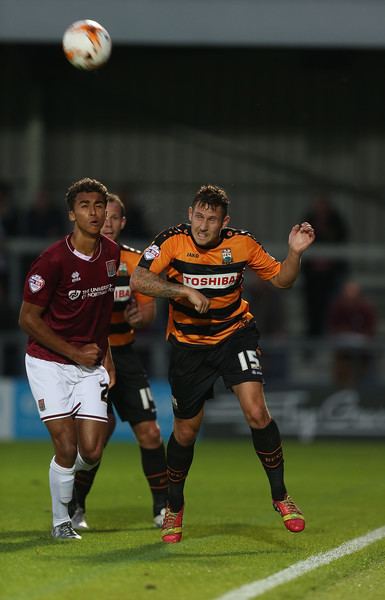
131,395
193,372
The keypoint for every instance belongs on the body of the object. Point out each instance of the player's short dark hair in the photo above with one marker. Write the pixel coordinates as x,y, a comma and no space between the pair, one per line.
116,198
85,185
213,196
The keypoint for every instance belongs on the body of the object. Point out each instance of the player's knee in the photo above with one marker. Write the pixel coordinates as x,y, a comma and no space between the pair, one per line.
92,454
92,458
149,435
186,434
65,450
258,417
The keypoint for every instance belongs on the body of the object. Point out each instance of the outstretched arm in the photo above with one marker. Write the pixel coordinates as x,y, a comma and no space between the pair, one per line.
300,238
144,281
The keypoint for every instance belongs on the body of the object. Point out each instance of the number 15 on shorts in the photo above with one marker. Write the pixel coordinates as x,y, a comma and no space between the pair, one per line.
248,360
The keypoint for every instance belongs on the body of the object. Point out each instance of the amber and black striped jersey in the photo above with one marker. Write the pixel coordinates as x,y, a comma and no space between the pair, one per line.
216,272
121,333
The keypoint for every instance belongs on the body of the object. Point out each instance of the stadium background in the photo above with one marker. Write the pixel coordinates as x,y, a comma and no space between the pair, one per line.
275,105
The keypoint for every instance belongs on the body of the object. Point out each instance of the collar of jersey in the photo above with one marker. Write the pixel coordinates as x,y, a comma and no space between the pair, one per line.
85,257
207,248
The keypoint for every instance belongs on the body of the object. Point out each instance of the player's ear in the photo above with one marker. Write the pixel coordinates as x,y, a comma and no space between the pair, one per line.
71,216
190,212
226,221
123,223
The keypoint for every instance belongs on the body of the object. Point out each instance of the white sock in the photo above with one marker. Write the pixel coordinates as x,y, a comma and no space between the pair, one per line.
61,483
82,465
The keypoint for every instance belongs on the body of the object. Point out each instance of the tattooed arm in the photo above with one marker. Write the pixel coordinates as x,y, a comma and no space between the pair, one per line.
144,281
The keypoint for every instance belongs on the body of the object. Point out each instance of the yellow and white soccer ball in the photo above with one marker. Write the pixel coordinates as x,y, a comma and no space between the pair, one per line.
87,44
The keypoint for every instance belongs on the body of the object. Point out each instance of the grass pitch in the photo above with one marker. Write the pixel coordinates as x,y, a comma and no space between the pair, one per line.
231,534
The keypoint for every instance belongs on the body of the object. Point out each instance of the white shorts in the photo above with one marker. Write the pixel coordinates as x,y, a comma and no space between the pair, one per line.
68,390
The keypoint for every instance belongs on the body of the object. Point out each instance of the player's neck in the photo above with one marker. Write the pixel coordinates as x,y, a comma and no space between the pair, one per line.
85,244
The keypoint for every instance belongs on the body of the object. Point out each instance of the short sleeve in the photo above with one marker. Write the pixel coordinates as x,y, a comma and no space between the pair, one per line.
41,281
158,255
261,262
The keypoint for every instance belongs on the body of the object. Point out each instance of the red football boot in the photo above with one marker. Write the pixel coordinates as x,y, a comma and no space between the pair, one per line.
292,516
172,526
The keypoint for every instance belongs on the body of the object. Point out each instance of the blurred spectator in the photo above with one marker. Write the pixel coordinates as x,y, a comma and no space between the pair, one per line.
322,277
8,313
9,221
137,226
11,357
8,227
44,219
352,321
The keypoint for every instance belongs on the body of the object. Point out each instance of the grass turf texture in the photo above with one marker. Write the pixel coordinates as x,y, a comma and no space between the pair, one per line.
231,535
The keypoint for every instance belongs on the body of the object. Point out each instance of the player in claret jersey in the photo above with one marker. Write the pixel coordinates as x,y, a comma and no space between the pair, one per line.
66,311
213,334
131,395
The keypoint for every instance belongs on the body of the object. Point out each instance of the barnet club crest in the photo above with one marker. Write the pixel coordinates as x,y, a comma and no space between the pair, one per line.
227,257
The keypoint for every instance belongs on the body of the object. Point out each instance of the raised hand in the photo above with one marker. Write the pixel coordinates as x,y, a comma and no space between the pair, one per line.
301,237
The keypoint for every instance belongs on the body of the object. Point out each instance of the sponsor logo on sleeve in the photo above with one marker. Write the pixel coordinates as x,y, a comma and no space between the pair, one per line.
36,283
152,252
41,404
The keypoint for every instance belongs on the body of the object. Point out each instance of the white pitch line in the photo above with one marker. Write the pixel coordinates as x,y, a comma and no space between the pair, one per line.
259,587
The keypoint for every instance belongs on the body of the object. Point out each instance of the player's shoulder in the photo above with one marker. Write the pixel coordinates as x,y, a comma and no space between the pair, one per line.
175,231
128,250
109,246
229,233
57,246
129,256
55,251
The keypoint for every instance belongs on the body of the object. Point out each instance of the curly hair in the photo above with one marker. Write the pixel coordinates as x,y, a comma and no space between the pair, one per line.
212,196
85,185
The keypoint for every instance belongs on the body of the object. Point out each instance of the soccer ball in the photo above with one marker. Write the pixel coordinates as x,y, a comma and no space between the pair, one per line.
87,45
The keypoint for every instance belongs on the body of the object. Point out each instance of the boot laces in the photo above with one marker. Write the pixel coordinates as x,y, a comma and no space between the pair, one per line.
290,505
169,519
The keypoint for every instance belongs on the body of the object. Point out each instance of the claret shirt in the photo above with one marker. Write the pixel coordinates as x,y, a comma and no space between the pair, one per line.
77,293
217,273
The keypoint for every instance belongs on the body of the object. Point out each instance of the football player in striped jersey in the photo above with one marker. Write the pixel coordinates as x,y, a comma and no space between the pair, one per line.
213,334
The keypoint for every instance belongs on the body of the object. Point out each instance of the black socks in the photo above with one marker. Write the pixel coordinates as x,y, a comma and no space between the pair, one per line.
267,444
179,459
155,470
